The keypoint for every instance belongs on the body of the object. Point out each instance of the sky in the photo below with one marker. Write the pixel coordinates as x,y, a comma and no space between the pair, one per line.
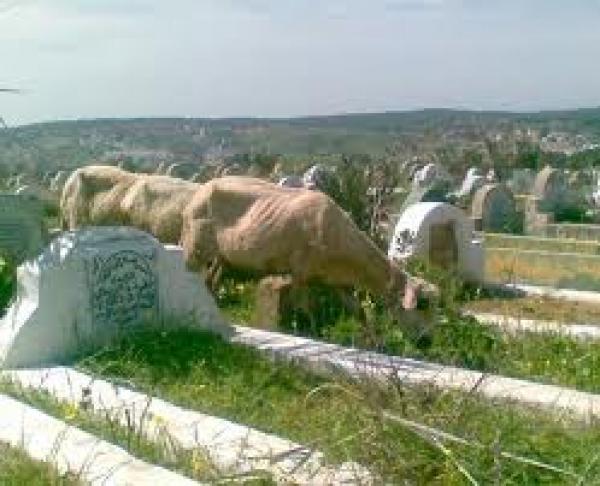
279,58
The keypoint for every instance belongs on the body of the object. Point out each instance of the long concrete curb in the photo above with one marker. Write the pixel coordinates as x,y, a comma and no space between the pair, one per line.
233,449
360,364
517,324
95,461
584,296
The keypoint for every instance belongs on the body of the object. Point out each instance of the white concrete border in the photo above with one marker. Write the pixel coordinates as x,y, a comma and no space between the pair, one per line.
233,448
70,449
360,364
518,324
584,296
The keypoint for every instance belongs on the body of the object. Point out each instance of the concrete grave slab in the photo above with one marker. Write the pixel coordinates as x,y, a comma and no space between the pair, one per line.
518,289
515,325
90,285
70,449
327,357
234,449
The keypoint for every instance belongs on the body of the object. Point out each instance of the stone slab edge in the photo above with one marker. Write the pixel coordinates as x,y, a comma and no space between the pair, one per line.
519,324
364,364
70,449
584,296
234,449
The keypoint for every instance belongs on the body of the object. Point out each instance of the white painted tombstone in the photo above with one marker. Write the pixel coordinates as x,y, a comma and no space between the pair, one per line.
440,234
472,182
316,177
88,286
494,209
428,175
22,229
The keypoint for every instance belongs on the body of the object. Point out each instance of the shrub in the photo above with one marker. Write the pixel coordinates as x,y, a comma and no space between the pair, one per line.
8,282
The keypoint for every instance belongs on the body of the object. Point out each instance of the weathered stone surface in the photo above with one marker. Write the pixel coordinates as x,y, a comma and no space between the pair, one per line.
550,188
22,230
359,364
233,449
472,182
89,286
440,234
71,450
494,209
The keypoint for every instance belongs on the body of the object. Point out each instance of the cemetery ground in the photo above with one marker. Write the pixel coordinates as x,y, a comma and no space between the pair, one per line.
394,431
557,262
16,469
539,308
400,433
193,464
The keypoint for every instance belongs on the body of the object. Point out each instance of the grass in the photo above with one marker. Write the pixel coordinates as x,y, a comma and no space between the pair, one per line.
557,245
566,270
164,452
17,469
452,339
463,342
380,428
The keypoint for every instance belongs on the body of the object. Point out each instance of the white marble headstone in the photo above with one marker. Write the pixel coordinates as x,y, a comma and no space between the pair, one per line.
89,286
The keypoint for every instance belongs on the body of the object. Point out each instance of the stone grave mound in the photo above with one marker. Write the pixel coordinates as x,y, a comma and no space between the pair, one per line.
89,286
440,234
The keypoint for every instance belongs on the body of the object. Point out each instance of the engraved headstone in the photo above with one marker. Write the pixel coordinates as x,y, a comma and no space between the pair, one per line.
440,234
89,286
22,230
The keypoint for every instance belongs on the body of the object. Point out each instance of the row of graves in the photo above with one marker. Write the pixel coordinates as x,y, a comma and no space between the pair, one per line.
80,290
536,228
508,231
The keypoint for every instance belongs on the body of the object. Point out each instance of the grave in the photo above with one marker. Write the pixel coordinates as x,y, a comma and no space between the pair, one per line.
472,182
232,449
22,230
550,189
493,209
358,365
440,234
92,460
90,286
427,186
291,181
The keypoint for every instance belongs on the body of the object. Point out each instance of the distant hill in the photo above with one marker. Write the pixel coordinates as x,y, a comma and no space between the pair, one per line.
66,144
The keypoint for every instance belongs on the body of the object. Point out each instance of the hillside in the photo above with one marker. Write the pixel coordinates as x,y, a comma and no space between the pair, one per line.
66,144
